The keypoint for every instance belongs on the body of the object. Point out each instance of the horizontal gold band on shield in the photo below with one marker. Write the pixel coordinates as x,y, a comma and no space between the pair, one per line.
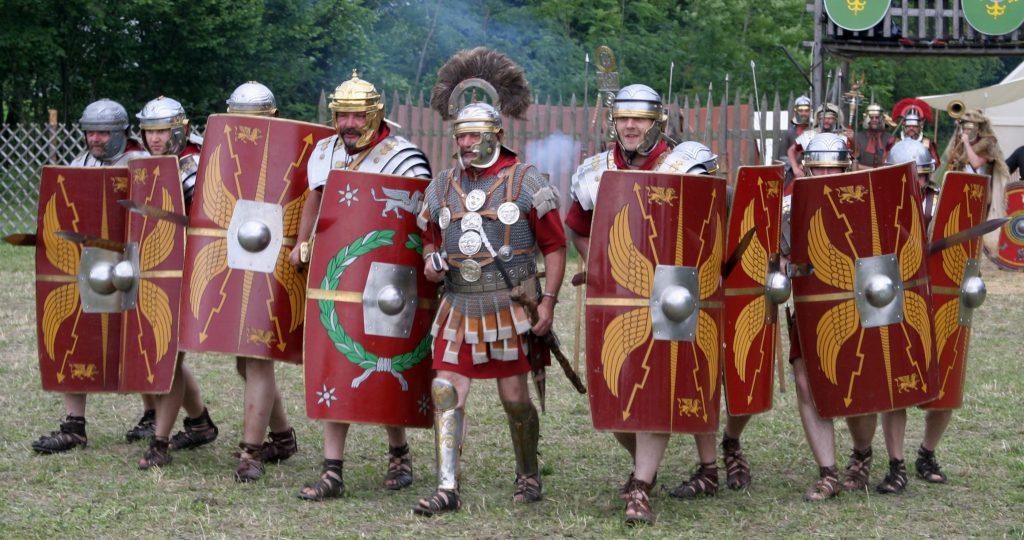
354,297
743,291
824,297
157,274
952,291
639,302
56,278
223,233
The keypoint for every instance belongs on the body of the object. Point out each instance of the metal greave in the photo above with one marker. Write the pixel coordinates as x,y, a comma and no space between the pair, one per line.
524,426
448,430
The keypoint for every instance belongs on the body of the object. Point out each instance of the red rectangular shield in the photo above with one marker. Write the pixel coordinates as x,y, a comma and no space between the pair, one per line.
78,352
842,225
654,303
150,331
961,206
368,361
254,162
751,318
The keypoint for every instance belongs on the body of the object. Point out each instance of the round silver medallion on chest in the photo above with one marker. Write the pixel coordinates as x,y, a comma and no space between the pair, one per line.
470,243
475,200
508,213
472,221
470,270
505,253
444,218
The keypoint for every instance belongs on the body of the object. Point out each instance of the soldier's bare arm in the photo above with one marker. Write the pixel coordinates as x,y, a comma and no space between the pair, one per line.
309,211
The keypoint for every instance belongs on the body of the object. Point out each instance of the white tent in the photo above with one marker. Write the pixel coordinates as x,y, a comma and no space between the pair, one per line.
1003,104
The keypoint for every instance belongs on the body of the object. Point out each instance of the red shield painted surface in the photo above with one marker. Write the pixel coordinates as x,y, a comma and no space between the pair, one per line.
961,206
246,159
839,222
646,225
78,352
367,361
1011,236
150,332
751,318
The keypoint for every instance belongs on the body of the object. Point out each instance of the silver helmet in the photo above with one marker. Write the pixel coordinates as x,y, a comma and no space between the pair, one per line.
252,98
827,150
912,118
640,101
483,118
111,116
691,157
801,107
832,110
913,151
165,113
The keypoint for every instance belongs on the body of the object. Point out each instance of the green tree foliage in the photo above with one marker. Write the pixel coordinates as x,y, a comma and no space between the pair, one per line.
61,55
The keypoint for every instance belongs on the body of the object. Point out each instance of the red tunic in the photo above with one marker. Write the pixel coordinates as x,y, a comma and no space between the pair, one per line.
578,220
550,237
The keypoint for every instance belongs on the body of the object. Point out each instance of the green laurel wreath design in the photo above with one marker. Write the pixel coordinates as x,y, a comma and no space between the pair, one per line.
352,349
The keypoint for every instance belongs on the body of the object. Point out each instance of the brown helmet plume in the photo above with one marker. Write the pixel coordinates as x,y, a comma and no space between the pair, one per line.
507,78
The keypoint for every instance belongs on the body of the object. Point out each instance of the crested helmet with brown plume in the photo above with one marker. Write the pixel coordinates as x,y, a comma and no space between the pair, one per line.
497,76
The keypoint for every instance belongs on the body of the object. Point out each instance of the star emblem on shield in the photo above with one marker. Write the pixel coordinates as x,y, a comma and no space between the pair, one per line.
326,396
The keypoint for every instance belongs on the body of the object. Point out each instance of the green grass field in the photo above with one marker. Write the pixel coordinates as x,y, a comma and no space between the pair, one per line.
99,492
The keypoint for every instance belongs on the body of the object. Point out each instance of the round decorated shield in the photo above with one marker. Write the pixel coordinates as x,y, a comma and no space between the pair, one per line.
994,17
1011,236
368,306
856,15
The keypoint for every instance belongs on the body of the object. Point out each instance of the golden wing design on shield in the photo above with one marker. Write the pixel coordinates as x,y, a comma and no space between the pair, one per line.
218,202
624,334
835,327
633,271
63,254
709,344
912,252
293,214
830,264
748,324
755,259
294,284
916,311
630,268
158,244
58,306
954,258
945,323
210,261
709,276
155,307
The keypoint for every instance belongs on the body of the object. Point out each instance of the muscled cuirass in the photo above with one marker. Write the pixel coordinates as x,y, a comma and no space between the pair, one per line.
476,216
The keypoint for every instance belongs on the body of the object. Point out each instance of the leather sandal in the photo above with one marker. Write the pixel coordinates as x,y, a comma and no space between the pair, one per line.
250,463
528,489
928,468
70,435
157,455
399,475
703,483
145,429
328,486
858,470
198,431
279,446
826,487
441,501
737,469
896,481
638,504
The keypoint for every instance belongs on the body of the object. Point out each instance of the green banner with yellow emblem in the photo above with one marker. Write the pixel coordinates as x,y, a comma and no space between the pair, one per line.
994,17
856,15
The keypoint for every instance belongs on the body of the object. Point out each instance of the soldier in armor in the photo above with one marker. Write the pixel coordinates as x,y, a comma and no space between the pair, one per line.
363,142
914,151
913,115
166,132
486,219
639,122
800,121
108,144
252,98
828,119
827,153
874,140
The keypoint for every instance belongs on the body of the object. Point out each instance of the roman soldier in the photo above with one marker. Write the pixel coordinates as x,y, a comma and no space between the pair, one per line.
638,127
487,218
166,132
913,115
826,153
827,119
800,121
874,140
914,151
363,142
108,144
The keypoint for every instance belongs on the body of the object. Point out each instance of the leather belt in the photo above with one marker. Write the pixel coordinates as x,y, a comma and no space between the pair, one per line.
489,281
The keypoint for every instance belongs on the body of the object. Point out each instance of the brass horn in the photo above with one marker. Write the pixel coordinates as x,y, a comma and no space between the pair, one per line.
956,109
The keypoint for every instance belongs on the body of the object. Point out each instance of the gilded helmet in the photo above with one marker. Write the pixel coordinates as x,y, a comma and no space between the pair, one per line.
913,151
357,95
827,150
165,113
801,110
641,101
111,116
252,98
493,74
